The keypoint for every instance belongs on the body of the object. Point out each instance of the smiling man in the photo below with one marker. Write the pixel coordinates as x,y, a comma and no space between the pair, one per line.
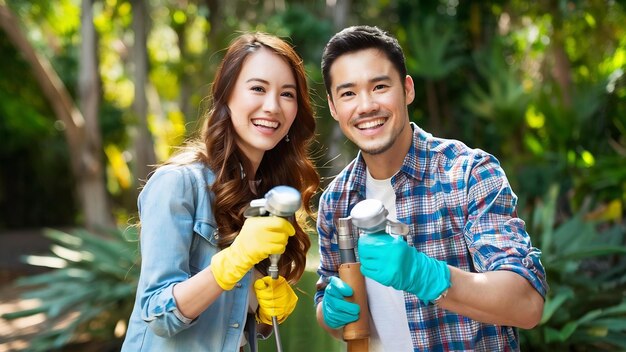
467,275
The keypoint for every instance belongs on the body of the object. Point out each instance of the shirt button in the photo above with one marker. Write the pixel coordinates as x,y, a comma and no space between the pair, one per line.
238,285
236,325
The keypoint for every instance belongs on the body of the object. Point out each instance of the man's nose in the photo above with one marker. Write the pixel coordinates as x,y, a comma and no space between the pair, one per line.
367,104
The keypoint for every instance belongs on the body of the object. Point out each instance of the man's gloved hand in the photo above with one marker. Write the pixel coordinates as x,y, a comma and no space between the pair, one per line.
276,299
259,237
392,262
337,311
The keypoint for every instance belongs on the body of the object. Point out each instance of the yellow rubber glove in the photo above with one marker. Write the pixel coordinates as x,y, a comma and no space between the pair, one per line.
259,237
276,299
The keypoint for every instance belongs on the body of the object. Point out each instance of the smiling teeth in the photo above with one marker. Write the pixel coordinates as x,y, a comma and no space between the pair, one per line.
265,123
370,124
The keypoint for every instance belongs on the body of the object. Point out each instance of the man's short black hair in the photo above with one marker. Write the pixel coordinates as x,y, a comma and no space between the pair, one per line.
358,38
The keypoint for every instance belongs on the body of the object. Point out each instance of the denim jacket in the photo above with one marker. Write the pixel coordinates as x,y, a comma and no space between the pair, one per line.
178,239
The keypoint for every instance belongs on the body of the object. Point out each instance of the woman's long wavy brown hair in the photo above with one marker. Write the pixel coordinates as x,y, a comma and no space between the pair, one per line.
288,163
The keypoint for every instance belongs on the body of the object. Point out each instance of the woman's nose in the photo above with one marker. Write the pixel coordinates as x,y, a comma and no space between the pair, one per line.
270,104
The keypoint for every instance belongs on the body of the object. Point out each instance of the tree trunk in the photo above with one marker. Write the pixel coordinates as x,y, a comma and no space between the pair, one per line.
339,10
92,187
51,85
144,146
561,69
216,20
184,78
84,158
337,151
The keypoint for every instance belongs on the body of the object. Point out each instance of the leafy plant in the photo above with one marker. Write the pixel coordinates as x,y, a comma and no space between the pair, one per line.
585,261
433,51
499,99
91,290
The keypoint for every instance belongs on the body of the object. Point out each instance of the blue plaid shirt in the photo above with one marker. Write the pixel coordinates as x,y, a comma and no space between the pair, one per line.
460,208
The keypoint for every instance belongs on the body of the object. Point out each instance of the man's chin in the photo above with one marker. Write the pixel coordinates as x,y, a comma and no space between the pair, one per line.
375,149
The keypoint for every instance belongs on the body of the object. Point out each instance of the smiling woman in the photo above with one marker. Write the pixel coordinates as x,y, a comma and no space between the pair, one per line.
263,104
200,259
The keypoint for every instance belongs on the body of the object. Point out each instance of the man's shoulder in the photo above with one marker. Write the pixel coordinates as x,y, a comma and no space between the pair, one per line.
447,149
448,146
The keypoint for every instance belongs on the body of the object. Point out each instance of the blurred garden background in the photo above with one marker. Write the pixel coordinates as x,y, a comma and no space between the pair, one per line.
93,92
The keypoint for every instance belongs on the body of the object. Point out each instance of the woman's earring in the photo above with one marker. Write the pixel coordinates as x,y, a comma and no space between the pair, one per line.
287,138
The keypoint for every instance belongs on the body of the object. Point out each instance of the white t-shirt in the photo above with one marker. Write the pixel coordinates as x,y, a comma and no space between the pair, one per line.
389,326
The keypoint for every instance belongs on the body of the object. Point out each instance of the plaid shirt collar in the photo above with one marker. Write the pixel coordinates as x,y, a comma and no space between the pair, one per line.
413,166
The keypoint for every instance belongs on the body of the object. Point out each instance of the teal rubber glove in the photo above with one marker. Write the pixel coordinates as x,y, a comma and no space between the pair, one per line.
337,311
392,262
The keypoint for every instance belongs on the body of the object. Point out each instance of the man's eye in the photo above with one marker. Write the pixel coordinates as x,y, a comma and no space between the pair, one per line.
380,86
347,94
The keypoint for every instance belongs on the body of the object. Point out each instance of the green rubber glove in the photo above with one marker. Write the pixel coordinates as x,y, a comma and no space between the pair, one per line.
276,299
259,237
391,262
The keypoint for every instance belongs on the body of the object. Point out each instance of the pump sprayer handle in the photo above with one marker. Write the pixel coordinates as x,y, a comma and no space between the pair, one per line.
281,201
357,333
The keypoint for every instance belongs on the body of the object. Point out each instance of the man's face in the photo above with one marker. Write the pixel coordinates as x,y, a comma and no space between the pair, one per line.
369,100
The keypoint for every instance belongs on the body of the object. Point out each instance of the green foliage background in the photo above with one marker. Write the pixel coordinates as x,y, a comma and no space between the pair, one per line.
538,84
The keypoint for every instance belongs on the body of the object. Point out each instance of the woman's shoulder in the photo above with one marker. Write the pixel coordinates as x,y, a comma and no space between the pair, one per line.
192,174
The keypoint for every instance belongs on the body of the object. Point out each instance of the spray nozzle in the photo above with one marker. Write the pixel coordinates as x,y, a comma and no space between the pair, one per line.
281,201
370,216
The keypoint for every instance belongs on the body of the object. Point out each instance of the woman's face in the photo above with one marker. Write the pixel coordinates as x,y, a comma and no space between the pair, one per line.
263,103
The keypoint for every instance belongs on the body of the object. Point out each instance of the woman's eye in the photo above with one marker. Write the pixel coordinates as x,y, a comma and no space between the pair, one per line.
258,89
288,94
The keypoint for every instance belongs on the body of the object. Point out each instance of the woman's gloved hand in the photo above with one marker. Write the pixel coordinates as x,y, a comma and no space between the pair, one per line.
392,262
259,237
276,299
337,311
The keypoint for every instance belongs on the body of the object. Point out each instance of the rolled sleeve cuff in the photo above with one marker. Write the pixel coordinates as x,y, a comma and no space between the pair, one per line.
530,268
320,286
163,316
319,295
181,317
